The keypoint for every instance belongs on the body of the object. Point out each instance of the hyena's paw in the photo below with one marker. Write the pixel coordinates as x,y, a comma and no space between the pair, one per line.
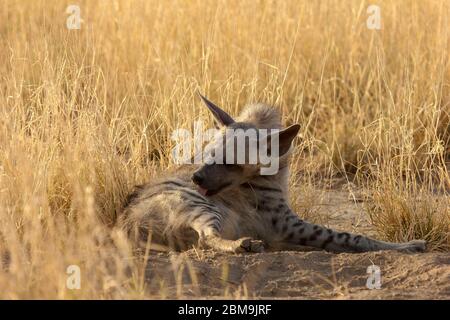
249,245
414,246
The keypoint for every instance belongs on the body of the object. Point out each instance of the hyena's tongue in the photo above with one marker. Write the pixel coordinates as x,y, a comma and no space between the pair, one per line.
202,191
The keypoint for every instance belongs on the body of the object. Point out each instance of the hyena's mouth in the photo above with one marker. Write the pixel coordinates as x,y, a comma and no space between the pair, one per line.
211,192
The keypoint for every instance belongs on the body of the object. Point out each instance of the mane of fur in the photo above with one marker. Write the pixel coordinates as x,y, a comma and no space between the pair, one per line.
264,116
261,115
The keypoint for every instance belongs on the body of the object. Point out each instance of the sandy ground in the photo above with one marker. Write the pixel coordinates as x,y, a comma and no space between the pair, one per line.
303,275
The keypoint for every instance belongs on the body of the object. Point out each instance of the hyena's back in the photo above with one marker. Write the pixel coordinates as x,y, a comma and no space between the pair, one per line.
162,213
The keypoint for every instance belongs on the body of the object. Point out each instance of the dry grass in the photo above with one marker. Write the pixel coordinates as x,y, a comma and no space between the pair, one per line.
85,114
400,216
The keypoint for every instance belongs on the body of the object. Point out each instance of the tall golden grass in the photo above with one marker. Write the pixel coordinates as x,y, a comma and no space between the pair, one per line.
86,114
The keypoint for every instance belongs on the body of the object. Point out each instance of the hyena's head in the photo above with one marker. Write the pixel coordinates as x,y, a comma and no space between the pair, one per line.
242,149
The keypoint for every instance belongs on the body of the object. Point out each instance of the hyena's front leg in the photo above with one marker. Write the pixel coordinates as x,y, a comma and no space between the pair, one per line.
208,225
294,231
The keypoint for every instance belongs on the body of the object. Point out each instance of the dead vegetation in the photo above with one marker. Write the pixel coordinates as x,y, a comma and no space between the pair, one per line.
86,114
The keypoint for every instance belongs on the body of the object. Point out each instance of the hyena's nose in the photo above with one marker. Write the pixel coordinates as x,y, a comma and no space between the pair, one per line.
197,178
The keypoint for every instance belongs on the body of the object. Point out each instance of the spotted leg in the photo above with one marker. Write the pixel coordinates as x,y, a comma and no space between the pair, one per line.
294,231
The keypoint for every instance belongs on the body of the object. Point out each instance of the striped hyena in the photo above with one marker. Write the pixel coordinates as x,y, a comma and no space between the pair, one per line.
232,207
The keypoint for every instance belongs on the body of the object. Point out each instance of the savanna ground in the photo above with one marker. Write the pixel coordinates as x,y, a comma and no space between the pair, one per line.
86,114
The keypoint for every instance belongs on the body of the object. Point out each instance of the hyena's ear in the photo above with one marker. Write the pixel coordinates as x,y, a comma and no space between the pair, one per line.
221,116
285,138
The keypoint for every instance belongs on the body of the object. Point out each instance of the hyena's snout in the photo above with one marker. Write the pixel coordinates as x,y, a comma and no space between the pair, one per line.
198,178
212,179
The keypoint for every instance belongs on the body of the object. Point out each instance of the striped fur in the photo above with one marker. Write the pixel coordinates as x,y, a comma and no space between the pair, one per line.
249,214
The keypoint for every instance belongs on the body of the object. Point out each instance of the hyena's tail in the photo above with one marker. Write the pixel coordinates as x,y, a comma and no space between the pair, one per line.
299,232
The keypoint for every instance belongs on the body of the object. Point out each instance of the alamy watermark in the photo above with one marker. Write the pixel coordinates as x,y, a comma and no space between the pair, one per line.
373,21
374,279
73,281
73,21
231,146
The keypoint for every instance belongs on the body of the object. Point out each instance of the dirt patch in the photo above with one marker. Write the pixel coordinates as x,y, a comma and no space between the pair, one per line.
300,275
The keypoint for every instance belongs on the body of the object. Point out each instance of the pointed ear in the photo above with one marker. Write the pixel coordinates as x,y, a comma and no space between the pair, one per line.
221,116
285,138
